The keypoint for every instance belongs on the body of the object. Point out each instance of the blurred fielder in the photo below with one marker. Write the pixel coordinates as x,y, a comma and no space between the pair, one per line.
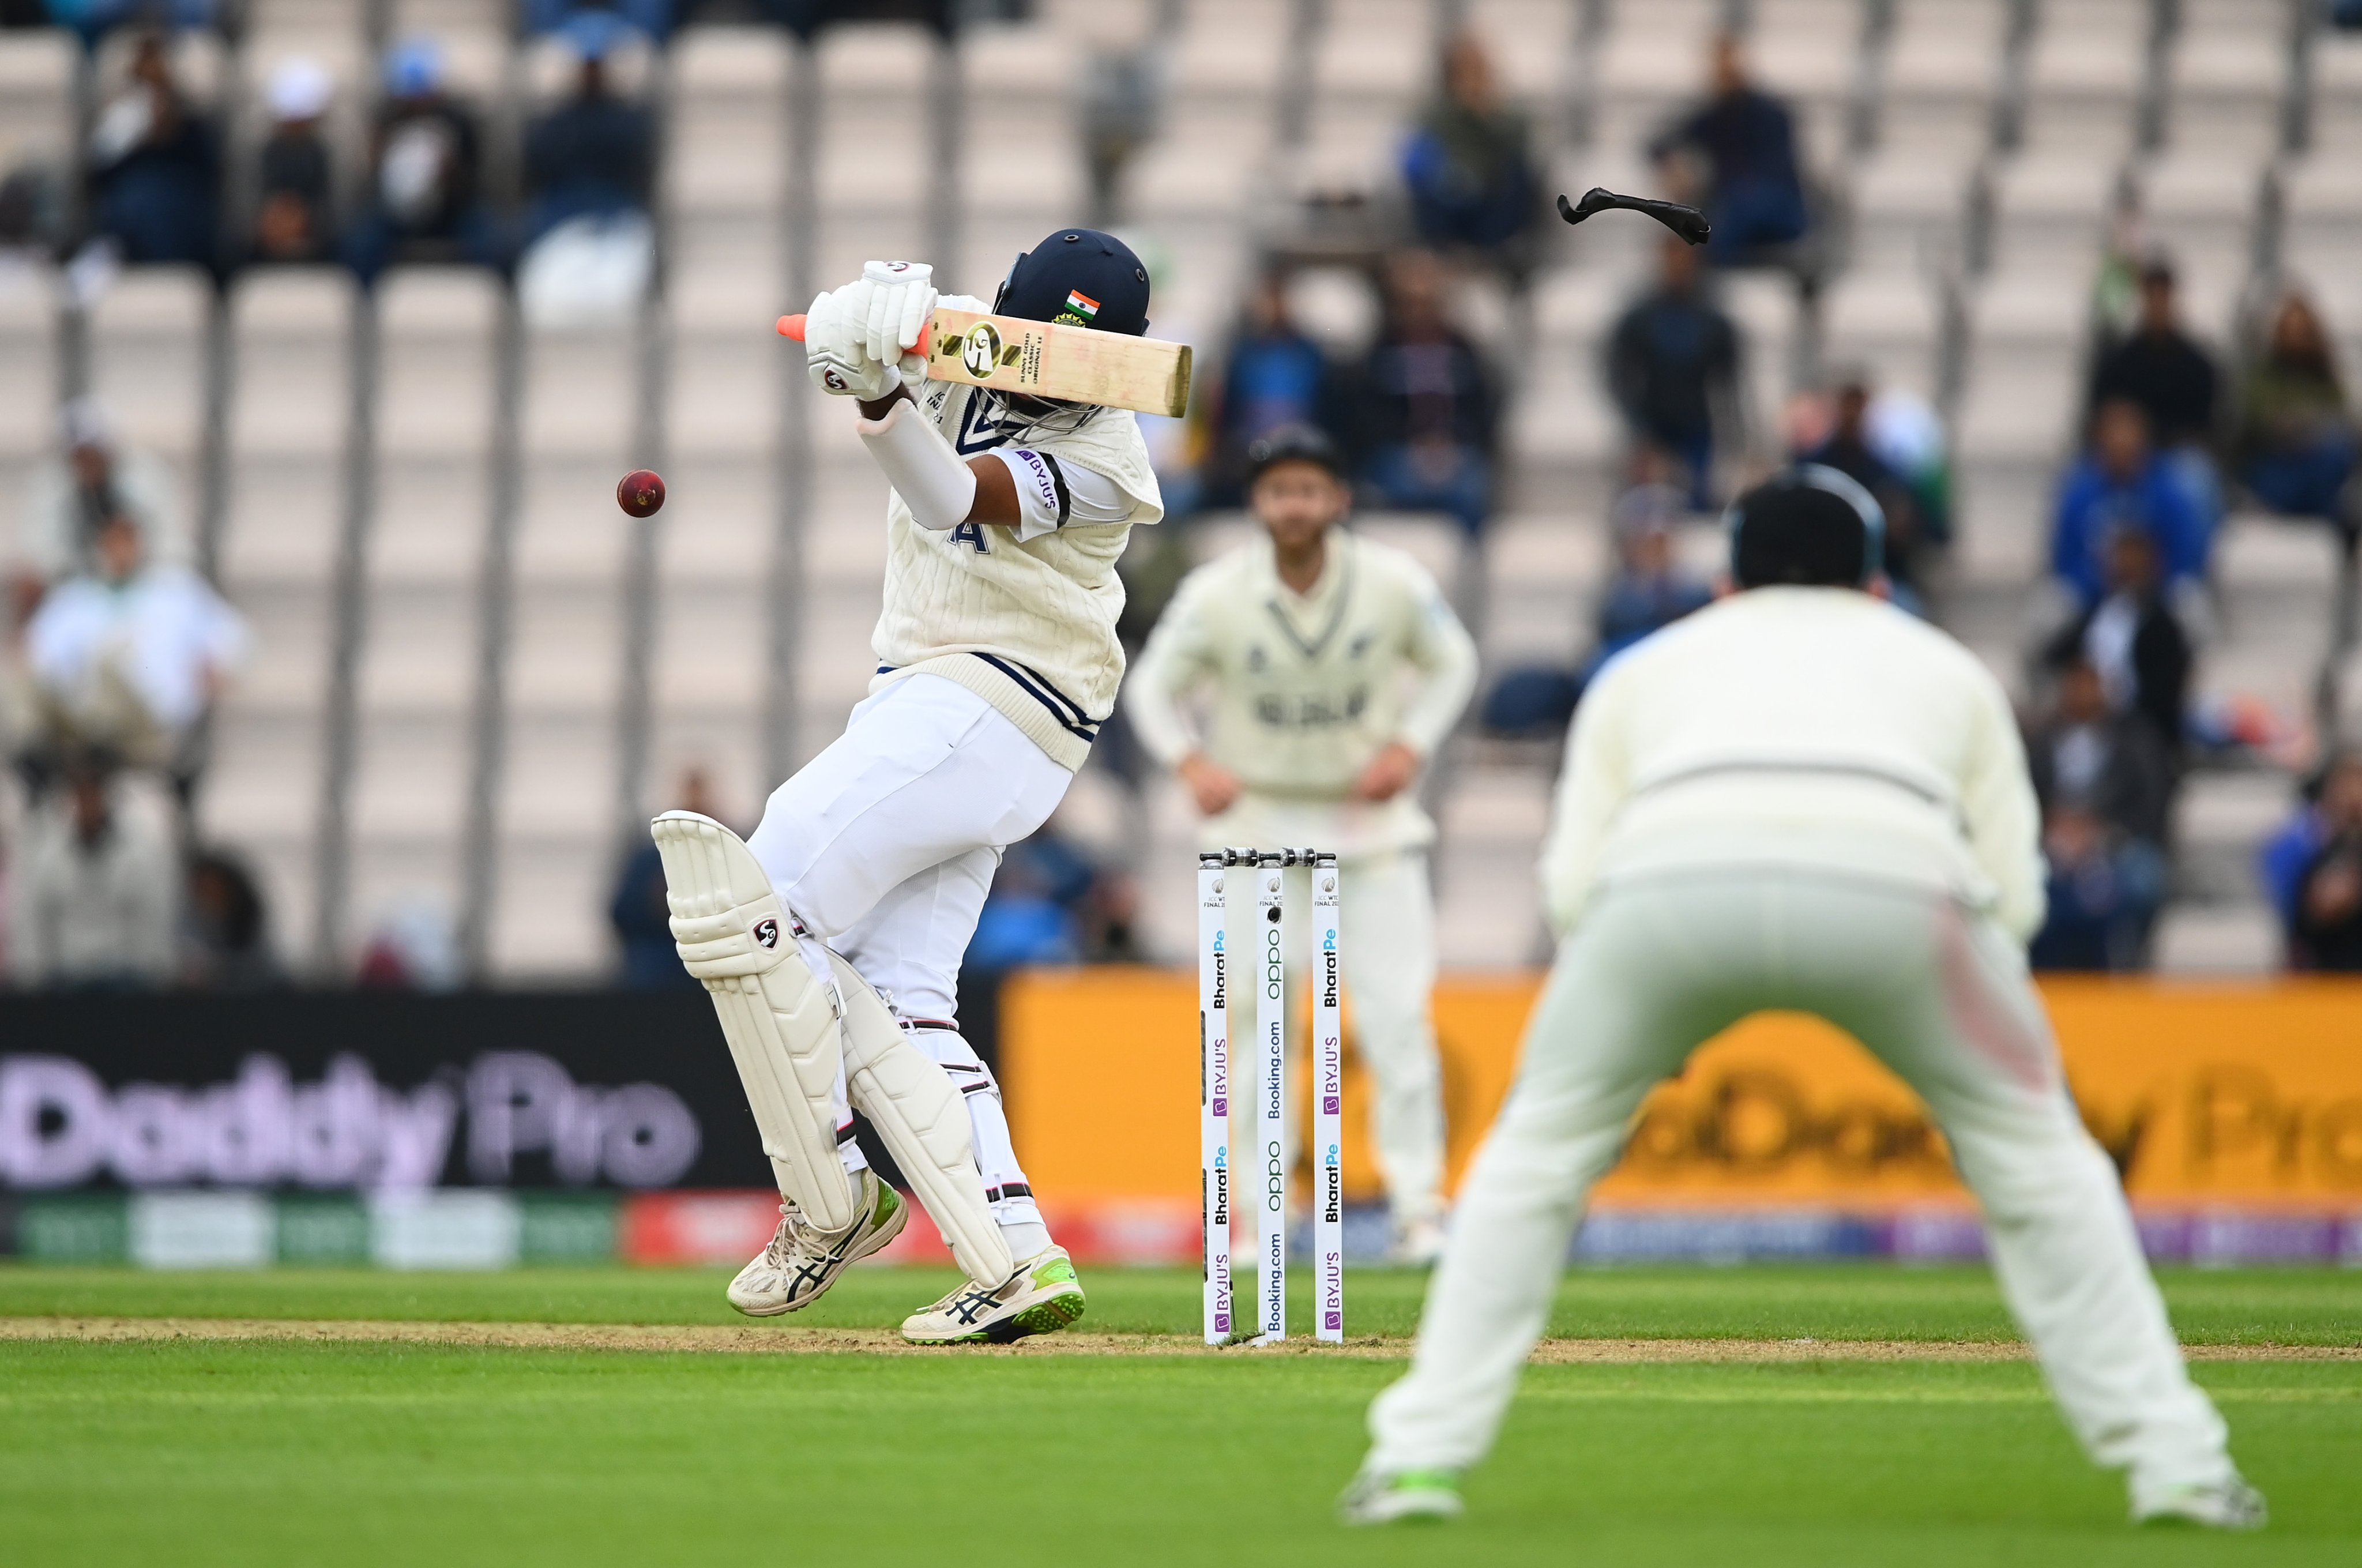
832,940
1308,638
1800,797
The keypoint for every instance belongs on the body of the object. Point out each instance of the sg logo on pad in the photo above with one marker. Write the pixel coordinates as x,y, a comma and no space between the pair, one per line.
766,931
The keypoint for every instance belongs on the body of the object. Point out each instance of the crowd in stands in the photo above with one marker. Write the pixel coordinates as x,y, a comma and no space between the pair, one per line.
160,185
125,645
123,648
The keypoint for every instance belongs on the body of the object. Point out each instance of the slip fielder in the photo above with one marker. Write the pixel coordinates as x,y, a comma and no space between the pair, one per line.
1800,797
1335,669
831,941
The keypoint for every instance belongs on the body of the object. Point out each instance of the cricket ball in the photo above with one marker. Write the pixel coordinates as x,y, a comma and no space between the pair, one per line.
640,492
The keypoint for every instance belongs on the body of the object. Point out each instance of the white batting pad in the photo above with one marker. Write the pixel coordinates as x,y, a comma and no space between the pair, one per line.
734,934
924,1120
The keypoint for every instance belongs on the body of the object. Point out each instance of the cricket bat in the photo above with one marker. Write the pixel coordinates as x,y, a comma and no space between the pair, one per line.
1039,358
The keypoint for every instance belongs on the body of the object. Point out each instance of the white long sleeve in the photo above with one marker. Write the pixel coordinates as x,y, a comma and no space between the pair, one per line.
1799,727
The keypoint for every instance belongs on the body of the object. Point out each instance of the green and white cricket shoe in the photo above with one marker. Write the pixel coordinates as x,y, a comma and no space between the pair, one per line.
2214,1505
1040,1298
1404,1496
803,1260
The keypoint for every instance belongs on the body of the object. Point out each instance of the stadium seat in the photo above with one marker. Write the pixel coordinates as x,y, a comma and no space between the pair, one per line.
37,98
1488,904
1888,323
29,343
149,349
1940,74
1542,575
2083,76
2226,83
421,634
285,514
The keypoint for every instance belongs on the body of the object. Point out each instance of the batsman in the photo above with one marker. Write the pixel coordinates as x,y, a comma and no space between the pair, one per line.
831,941
1334,669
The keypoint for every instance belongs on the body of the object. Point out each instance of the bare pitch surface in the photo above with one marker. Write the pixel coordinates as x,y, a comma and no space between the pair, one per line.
566,1432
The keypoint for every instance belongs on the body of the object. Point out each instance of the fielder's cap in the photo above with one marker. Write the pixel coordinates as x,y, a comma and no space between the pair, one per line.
1078,277
1293,444
414,68
1811,525
300,90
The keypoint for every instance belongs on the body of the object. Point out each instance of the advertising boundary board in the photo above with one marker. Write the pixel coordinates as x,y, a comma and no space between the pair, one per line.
2247,1096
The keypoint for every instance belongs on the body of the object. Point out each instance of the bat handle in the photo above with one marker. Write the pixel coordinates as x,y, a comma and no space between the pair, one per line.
792,326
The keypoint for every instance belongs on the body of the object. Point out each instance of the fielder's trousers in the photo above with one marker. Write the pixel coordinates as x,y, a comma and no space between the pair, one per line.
1941,994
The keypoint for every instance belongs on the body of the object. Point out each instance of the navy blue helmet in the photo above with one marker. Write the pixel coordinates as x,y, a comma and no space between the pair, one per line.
1078,277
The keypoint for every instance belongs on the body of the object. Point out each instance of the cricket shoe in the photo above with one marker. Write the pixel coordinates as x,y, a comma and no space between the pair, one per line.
1404,1496
803,1260
2213,1505
1040,1298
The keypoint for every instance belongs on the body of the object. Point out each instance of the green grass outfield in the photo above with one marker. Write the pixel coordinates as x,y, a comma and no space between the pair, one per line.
247,1451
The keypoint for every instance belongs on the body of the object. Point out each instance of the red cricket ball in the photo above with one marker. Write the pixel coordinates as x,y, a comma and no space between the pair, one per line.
640,492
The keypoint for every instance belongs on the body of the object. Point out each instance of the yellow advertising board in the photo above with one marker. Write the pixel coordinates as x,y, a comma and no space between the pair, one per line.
2248,1093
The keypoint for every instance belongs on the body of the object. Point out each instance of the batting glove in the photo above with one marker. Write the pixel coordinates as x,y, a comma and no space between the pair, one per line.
901,298
833,351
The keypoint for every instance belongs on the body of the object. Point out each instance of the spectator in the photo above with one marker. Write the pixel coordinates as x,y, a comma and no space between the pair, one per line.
2088,756
226,939
2296,433
1428,413
1033,916
2105,784
2164,373
1650,588
1852,449
2133,642
592,155
411,948
132,656
2326,923
423,173
155,170
70,498
639,913
294,219
94,891
1673,368
2121,484
1755,196
1277,376
2102,895
1468,165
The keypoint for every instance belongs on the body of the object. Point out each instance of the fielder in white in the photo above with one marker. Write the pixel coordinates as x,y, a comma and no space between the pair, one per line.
1336,668
832,940
1800,797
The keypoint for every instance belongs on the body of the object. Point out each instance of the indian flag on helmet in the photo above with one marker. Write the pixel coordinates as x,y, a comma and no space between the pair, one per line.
1081,309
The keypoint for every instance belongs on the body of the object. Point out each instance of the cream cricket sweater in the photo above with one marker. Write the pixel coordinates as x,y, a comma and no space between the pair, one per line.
1805,727
1305,690
1029,625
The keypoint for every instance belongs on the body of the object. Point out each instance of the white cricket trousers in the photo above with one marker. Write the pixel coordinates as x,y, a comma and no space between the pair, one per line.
885,844
1658,965
1386,925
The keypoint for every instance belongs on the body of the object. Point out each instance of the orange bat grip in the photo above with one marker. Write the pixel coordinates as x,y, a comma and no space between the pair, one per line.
792,326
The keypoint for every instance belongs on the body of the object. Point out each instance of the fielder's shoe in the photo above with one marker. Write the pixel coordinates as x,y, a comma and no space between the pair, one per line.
803,1261
1406,1497
2214,1505
1040,1298
1416,1244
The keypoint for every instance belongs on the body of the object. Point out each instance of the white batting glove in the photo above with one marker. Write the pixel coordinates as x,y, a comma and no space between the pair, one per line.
833,352
901,298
